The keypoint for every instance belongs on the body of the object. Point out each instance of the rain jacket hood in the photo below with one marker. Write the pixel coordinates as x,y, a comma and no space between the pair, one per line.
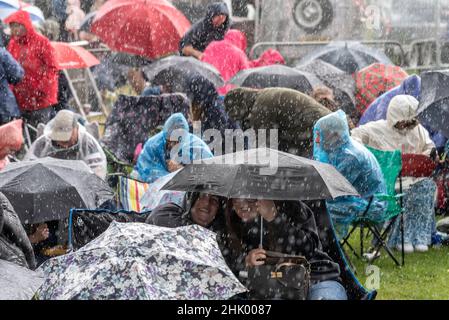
237,38
151,163
383,135
39,87
11,137
216,9
333,145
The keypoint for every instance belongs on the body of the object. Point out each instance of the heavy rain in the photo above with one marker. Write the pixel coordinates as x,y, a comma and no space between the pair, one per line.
241,150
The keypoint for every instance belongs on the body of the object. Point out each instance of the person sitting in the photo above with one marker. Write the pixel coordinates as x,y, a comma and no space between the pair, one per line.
168,150
333,145
11,140
402,131
202,209
212,27
289,228
65,138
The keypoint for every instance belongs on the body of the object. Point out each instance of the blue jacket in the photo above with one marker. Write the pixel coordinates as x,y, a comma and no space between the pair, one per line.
333,145
151,164
10,73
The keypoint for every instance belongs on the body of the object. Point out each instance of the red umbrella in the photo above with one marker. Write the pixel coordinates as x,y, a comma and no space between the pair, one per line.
73,57
374,80
150,28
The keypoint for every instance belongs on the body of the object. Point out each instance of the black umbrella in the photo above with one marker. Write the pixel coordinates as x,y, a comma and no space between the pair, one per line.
46,189
18,283
129,60
276,76
263,174
342,83
176,70
347,56
433,110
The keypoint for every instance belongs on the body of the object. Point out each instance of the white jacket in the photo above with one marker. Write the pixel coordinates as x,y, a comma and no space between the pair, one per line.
383,135
87,149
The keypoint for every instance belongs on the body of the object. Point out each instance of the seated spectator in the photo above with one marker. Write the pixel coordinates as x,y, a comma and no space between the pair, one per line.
333,145
168,150
65,138
11,140
283,221
401,130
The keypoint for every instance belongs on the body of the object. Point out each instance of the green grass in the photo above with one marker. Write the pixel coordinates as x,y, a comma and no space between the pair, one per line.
425,276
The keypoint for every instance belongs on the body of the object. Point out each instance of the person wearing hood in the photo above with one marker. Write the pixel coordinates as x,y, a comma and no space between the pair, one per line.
65,138
333,145
212,27
38,90
289,111
169,150
402,131
11,73
207,109
227,55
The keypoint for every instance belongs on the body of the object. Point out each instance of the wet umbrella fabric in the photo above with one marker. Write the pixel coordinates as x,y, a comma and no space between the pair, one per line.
262,174
18,283
87,21
46,189
140,261
276,76
73,57
347,56
148,28
433,110
176,71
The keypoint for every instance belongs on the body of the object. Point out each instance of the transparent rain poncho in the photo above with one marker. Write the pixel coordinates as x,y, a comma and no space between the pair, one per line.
333,145
87,149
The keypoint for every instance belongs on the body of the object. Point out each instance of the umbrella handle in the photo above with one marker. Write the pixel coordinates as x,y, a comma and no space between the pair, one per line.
261,232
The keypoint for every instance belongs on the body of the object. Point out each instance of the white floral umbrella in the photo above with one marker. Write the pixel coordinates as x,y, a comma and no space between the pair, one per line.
140,261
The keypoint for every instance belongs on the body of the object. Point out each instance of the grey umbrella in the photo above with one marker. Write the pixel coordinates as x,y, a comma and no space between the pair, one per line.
18,283
263,174
175,70
276,76
46,189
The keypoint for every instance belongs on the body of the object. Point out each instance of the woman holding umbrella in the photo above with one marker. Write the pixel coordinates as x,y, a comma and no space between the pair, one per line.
290,228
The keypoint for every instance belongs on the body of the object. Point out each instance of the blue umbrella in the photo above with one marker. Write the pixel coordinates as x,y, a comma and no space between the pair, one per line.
8,4
7,8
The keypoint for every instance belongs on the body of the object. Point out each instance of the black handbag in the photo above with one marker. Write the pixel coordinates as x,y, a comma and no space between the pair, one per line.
283,276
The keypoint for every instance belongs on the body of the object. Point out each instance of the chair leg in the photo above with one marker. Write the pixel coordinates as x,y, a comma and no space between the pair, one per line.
345,241
382,244
402,238
361,241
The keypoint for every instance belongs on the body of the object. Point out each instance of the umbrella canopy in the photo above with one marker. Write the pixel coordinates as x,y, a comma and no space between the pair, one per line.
375,80
347,56
147,28
154,196
175,70
86,23
141,261
73,57
46,189
433,110
276,76
263,174
340,82
8,7
18,283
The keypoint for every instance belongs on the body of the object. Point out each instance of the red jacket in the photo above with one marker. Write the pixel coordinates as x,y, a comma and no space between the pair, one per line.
39,87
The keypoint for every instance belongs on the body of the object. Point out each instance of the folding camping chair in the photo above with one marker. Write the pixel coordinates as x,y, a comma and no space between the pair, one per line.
391,165
130,192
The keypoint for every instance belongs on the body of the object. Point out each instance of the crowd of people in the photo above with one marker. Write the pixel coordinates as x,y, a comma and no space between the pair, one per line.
309,126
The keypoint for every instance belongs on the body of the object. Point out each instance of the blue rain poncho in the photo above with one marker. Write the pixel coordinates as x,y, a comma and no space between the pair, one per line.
152,162
333,145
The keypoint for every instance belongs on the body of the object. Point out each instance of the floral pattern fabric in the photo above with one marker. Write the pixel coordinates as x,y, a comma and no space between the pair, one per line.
138,261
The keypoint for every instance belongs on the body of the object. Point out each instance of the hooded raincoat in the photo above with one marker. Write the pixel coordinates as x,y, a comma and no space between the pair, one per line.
333,145
10,73
11,139
152,162
202,33
383,135
39,87
87,149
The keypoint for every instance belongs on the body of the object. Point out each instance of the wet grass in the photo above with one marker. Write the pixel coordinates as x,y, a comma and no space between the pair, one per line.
425,276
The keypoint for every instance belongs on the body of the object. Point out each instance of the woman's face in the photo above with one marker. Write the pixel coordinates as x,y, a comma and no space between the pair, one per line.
246,209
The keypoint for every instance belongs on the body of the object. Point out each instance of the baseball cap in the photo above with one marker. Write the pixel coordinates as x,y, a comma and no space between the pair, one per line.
61,127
